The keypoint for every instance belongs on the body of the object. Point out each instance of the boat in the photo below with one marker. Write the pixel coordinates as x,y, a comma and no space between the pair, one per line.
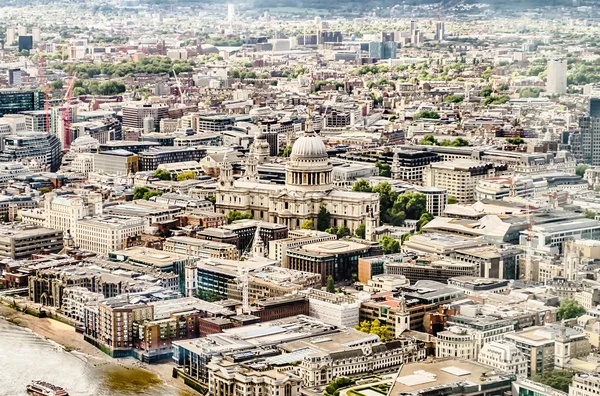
41,388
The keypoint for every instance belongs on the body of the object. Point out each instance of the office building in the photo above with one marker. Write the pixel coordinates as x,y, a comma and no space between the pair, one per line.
200,248
383,50
15,101
116,162
505,357
25,43
135,113
439,30
230,12
590,134
460,177
104,234
15,79
36,34
11,36
44,148
556,81
409,165
20,242
151,159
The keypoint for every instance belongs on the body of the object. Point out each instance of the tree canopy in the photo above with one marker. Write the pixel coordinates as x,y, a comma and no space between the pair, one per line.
188,175
307,225
361,231
516,141
330,287
374,327
385,170
389,245
362,186
323,219
557,379
429,114
237,215
580,170
569,309
162,174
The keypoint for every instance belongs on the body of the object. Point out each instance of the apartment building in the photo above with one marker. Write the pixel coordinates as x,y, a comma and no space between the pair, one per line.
460,177
337,309
75,299
151,159
109,325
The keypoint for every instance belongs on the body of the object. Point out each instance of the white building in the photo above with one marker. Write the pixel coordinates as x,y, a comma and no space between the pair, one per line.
103,234
505,357
585,384
336,309
556,82
62,211
231,379
456,342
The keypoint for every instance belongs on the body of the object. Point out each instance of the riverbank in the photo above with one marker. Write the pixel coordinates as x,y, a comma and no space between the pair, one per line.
73,342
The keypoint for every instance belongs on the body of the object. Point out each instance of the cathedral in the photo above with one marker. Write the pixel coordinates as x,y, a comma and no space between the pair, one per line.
308,187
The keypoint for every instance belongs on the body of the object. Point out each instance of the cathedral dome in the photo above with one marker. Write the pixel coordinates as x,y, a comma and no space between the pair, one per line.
309,146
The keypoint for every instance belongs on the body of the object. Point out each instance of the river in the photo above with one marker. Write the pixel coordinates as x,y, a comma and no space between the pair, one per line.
25,355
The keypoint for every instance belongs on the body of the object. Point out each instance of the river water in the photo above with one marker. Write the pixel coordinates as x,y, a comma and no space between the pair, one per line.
25,356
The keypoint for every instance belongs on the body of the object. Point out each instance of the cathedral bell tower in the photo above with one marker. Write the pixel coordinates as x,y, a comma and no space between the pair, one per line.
226,172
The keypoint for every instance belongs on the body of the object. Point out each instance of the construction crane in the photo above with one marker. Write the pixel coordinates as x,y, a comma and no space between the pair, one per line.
66,116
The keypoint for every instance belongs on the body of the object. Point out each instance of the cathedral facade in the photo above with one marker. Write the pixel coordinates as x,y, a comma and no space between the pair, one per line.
308,188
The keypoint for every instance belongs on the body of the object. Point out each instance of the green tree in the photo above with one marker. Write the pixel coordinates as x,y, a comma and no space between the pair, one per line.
343,231
162,174
452,200
385,170
387,197
361,231
589,214
406,237
496,100
580,170
237,215
374,327
44,190
454,99
138,192
389,245
486,91
429,114
149,194
323,219
287,151
58,84
557,379
333,388
424,219
413,204
188,175
307,225
362,186
428,140
330,285
516,141
569,309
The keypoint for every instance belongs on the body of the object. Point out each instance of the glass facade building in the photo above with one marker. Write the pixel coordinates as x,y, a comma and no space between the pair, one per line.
12,101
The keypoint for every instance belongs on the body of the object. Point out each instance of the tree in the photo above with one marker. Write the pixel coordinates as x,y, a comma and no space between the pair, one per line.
307,225
496,100
323,219
58,84
343,231
387,197
406,237
287,151
389,245
454,99
188,175
341,382
385,170
557,379
424,219
330,285
44,190
138,192
374,327
429,114
589,214
413,204
580,170
452,200
162,174
428,140
361,231
516,141
362,186
237,215
569,309
149,194
487,91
